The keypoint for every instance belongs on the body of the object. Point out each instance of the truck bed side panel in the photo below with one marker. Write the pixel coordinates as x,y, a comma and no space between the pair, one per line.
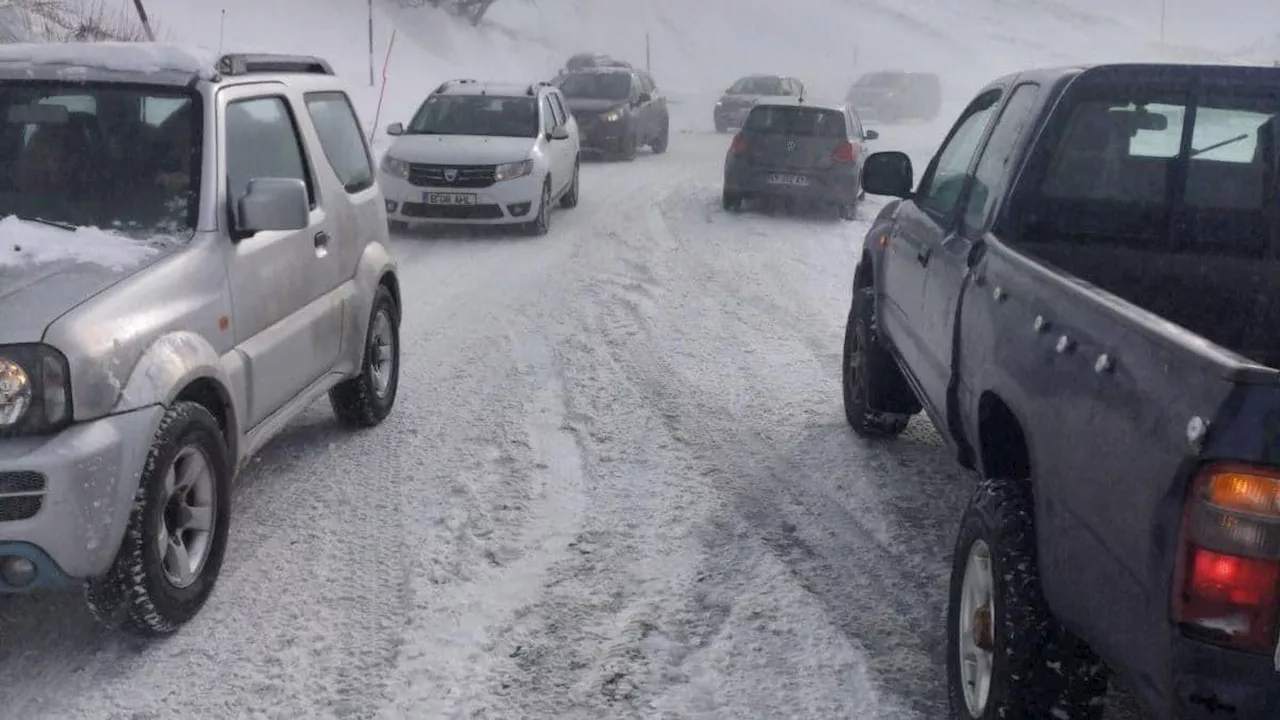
1107,514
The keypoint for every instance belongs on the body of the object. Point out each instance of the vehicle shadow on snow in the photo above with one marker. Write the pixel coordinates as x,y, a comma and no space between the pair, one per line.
868,528
54,628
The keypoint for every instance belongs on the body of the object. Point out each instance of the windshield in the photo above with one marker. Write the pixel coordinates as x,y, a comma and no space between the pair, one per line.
120,157
809,122
598,86
757,86
485,115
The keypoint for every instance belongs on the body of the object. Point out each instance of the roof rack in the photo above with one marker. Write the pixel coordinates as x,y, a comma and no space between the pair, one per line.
449,83
533,88
246,64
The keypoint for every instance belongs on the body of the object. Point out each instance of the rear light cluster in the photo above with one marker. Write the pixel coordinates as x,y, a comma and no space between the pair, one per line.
739,144
846,152
1227,583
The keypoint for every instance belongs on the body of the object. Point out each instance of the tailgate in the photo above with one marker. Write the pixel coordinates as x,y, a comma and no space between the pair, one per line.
788,137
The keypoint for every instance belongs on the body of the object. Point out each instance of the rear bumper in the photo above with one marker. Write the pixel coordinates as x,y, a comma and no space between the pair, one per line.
1212,683
833,185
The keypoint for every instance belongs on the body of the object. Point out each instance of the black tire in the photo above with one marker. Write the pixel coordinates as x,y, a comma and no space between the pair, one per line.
731,201
847,211
570,197
1037,669
868,372
630,146
136,594
359,401
541,224
721,126
659,144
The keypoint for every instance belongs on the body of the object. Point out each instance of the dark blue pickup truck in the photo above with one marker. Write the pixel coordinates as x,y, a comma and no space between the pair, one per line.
1083,295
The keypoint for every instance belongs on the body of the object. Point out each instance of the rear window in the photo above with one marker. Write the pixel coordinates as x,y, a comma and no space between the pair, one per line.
881,80
806,121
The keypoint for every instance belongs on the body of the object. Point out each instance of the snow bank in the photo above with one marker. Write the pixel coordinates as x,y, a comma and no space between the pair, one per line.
118,56
29,243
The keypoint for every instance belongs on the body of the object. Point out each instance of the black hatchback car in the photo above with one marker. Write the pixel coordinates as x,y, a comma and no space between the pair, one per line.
618,109
894,95
798,151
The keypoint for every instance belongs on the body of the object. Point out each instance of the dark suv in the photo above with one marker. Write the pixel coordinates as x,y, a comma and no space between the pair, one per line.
618,110
895,96
732,108
796,151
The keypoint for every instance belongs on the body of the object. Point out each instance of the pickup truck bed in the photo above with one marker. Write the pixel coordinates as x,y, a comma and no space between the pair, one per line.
1083,295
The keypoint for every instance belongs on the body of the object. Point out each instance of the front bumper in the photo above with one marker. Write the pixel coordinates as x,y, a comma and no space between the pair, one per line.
505,202
65,499
731,116
835,185
595,135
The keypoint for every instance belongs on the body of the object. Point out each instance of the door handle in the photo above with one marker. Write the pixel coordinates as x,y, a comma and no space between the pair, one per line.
322,239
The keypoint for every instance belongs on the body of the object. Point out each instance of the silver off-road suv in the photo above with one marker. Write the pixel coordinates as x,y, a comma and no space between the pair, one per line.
192,251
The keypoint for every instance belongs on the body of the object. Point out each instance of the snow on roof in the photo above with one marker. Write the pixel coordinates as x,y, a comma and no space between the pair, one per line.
29,243
134,57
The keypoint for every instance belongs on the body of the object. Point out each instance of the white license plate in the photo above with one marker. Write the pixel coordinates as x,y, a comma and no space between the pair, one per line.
449,198
784,179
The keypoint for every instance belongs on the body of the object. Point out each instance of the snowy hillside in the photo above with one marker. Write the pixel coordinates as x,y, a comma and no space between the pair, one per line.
696,48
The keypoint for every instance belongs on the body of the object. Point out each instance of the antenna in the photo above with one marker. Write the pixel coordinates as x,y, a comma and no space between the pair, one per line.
222,26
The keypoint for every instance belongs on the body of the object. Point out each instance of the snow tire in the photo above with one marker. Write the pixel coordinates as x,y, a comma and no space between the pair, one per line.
659,144
869,373
1038,669
135,595
570,197
357,402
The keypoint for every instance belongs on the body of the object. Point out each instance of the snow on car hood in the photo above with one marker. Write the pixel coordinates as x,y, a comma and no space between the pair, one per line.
46,271
460,149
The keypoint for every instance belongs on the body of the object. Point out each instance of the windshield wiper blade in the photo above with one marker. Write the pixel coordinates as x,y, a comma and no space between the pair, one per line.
50,223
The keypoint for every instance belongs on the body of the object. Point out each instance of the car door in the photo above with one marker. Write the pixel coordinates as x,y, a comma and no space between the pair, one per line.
557,158
644,108
287,326
571,123
921,225
949,259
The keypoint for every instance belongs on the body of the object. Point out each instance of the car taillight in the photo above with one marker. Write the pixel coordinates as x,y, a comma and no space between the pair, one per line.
739,144
846,152
1227,583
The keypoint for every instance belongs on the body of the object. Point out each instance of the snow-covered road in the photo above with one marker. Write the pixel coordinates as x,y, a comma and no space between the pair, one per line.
618,484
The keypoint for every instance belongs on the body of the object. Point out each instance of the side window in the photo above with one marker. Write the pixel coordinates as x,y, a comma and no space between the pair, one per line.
857,125
940,189
995,156
342,139
262,142
548,114
561,114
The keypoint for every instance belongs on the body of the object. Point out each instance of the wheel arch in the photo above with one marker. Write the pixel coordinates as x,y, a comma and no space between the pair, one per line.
1003,451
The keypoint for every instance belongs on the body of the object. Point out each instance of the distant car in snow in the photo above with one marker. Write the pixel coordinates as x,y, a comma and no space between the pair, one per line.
894,96
483,154
586,60
618,110
246,274
797,151
732,107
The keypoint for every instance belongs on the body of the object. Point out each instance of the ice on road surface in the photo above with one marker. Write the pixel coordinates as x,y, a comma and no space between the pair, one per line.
618,484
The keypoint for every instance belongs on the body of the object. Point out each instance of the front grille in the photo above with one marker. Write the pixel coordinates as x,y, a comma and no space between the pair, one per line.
451,212
468,176
21,495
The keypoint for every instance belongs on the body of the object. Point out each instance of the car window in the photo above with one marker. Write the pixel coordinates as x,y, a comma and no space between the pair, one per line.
940,188
263,142
477,115
341,139
548,114
995,156
800,121
597,85
561,114
856,121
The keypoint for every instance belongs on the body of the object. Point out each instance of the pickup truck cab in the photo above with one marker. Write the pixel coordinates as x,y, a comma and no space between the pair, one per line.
1083,296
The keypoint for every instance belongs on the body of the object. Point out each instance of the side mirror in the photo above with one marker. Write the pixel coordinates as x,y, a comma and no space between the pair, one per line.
644,98
559,133
395,129
888,173
273,204
870,135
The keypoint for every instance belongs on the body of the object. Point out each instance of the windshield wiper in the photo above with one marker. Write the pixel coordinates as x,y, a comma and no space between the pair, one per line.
1224,143
50,223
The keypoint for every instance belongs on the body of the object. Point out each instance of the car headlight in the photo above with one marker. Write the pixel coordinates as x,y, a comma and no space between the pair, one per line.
35,392
513,170
395,167
612,116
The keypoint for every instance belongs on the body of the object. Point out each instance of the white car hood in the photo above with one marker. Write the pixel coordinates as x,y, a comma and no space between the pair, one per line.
460,149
